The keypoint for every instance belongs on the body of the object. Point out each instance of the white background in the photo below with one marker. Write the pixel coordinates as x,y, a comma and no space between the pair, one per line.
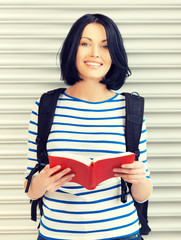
31,33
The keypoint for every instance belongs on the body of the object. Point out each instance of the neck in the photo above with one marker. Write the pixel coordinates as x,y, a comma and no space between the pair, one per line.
90,91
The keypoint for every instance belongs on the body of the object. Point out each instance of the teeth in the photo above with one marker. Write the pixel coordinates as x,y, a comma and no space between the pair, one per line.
93,64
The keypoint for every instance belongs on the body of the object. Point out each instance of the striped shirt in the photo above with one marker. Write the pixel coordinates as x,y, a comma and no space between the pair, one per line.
88,129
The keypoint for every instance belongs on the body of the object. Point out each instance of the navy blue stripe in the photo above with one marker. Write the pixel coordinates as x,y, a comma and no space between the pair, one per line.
81,100
85,125
143,141
85,141
144,161
143,131
34,123
118,237
90,222
33,112
93,231
37,103
81,150
81,202
91,133
32,150
83,118
29,168
93,191
90,110
32,142
90,212
123,236
31,132
72,187
144,151
32,159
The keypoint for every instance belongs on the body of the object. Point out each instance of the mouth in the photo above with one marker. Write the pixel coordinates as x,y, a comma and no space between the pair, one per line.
93,64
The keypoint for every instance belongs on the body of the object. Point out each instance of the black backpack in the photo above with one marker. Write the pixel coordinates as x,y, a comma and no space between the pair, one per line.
133,128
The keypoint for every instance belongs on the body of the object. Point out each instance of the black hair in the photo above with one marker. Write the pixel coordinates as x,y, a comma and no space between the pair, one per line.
119,69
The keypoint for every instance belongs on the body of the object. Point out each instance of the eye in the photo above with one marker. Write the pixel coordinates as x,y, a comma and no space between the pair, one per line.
105,47
85,44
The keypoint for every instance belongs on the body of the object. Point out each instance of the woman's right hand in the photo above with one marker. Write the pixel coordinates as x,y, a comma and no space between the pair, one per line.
53,180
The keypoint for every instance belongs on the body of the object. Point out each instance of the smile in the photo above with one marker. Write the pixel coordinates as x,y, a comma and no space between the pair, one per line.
93,64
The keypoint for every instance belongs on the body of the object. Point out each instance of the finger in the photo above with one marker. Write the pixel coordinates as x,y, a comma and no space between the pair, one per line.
131,178
56,185
131,171
60,175
50,171
136,164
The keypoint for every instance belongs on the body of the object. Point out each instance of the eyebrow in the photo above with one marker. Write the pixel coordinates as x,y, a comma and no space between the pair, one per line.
91,39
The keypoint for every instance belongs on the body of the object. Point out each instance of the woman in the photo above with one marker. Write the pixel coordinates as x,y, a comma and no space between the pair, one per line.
89,121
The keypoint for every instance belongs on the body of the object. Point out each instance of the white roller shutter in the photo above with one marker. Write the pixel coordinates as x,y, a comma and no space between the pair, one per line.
31,33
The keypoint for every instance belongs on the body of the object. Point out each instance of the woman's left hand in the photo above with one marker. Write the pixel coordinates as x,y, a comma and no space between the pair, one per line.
133,173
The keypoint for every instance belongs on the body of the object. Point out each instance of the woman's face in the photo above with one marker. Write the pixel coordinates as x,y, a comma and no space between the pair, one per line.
93,59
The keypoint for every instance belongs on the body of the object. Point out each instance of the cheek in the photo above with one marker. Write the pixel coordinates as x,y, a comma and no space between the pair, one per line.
107,58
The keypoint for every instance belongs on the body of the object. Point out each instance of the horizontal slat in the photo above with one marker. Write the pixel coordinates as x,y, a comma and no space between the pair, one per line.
158,178
115,6
36,59
165,234
135,66
44,74
26,102
162,223
32,234
164,163
20,235
14,193
120,13
92,3
155,208
164,208
142,88
68,21
155,147
164,147
157,223
53,43
127,27
163,118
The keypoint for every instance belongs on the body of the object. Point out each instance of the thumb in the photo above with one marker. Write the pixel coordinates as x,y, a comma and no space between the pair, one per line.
46,167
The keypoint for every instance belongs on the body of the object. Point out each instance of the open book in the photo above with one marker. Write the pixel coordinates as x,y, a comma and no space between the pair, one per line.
90,172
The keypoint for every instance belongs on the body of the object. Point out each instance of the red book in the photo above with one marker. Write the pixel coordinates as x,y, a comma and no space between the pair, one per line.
89,173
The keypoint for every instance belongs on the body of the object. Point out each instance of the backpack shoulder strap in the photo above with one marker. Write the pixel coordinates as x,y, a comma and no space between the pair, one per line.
134,120
47,106
46,111
133,129
133,126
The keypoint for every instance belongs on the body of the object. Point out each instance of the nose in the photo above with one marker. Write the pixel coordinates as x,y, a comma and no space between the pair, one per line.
95,51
